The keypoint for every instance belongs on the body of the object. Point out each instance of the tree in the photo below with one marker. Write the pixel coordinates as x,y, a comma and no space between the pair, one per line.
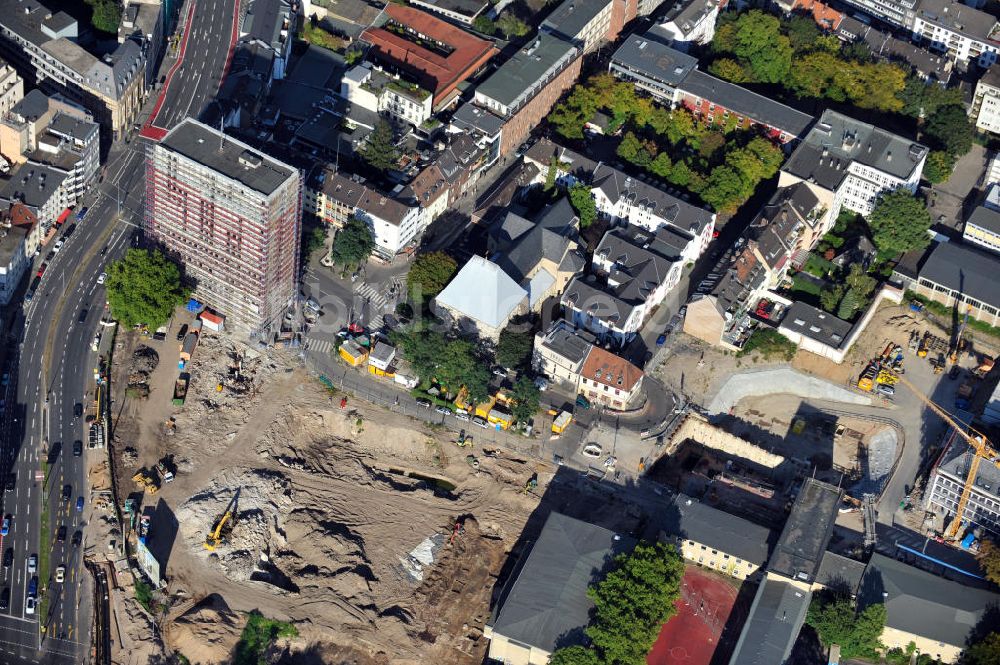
986,652
830,298
921,100
850,304
726,189
939,166
633,601
837,622
550,175
860,281
452,362
380,151
802,32
106,15
989,560
484,25
575,655
512,26
661,165
583,203
313,238
429,274
899,223
949,129
526,400
353,55
144,287
514,348
730,70
755,39
353,244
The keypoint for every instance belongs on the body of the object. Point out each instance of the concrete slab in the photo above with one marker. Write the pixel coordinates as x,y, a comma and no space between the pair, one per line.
779,381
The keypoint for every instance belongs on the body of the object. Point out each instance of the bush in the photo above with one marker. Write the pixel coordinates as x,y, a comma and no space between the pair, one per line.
257,637
938,309
144,594
768,342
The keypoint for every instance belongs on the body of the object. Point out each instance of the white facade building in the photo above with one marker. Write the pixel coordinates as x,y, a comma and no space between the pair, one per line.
690,22
380,93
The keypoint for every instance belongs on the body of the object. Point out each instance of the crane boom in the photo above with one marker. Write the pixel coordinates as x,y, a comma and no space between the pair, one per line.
980,447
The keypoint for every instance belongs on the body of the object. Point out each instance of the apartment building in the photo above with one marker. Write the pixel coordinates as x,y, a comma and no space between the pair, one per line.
232,216
689,22
586,23
948,480
953,273
673,78
72,145
985,109
624,199
40,189
14,260
379,92
850,164
435,54
559,352
966,34
41,43
145,22
269,26
525,88
983,227
715,539
11,88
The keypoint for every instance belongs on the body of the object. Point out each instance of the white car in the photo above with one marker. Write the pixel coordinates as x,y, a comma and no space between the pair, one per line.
100,278
58,245
32,564
29,605
592,450
60,573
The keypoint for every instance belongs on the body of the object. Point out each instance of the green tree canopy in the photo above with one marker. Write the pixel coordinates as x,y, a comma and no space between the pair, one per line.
313,237
899,223
583,203
484,25
837,622
353,244
755,39
575,655
989,560
526,400
949,129
860,281
453,362
514,348
986,652
939,166
730,70
512,26
429,274
633,601
380,151
107,15
830,298
144,287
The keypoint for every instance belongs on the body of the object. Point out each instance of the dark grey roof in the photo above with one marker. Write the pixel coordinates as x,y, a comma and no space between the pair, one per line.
883,45
10,242
265,21
776,616
572,16
816,324
469,116
234,159
775,228
758,108
597,300
654,59
667,241
985,218
807,531
957,17
537,244
34,105
547,605
67,125
544,150
616,185
637,268
961,268
458,156
839,571
539,58
33,184
718,529
559,216
837,140
687,14
571,344
923,604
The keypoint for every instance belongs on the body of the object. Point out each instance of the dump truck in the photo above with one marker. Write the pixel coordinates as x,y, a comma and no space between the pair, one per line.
180,388
866,381
165,473
984,367
561,422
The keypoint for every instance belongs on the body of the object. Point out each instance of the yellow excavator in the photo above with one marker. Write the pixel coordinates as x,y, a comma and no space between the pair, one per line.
981,448
223,525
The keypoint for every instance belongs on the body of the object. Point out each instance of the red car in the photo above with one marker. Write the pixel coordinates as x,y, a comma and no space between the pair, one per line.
41,269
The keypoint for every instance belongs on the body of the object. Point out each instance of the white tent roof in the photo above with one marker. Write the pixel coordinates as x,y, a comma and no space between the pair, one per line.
482,291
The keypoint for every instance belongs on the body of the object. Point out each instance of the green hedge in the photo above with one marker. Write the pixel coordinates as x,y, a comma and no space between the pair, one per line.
938,309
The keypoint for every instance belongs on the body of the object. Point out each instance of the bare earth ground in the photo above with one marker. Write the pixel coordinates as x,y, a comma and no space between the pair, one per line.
345,516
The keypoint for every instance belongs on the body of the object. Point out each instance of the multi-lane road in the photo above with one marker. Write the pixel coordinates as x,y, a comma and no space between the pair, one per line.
49,385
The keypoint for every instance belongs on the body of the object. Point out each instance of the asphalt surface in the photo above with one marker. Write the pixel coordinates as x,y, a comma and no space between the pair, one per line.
51,367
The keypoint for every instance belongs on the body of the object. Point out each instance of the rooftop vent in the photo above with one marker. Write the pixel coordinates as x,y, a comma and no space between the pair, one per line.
250,160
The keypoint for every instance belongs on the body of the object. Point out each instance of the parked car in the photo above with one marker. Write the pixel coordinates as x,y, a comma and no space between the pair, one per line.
11,482
67,492
481,422
182,333
59,244
77,537
443,410
582,402
5,526
5,598
424,402
885,389
661,340
541,383
29,605
592,450
61,534
83,213
41,269
464,417
32,564
100,278
8,557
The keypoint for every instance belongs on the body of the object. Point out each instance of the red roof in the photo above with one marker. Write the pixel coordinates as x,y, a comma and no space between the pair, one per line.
211,318
438,72
21,215
606,368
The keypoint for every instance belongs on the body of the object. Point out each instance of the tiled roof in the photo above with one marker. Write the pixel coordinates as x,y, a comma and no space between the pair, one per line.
614,371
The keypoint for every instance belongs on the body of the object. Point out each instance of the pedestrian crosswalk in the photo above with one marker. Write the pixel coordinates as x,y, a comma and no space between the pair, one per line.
319,345
377,301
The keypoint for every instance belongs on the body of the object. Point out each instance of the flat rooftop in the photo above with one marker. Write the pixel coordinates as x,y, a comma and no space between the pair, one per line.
807,531
228,156
526,68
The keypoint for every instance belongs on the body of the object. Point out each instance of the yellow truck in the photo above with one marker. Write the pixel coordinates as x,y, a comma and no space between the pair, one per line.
561,422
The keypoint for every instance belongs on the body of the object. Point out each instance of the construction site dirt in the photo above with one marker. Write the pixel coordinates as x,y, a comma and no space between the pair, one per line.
375,534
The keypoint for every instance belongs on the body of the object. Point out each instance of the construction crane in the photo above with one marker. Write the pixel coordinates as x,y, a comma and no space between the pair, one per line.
223,525
959,342
982,450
